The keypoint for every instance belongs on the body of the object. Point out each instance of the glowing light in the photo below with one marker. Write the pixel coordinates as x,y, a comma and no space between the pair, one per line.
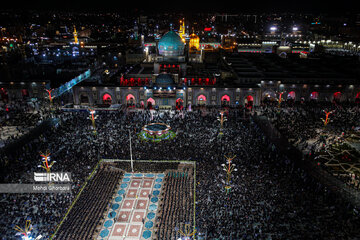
327,119
225,98
129,97
107,97
273,28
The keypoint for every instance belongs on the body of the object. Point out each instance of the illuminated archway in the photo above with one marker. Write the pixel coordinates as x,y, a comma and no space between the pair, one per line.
249,102
291,95
107,99
269,95
179,104
201,100
314,96
225,100
150,103
337,96
130,100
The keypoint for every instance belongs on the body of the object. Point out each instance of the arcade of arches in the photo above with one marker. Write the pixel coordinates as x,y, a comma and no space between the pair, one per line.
201,98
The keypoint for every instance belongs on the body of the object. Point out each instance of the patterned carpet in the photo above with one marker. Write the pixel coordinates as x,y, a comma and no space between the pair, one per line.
133,210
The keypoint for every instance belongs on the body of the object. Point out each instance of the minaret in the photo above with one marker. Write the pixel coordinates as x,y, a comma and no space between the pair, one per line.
76,41
182,30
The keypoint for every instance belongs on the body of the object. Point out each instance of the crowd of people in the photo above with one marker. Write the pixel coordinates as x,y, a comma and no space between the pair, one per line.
270,197
19,117
302,124
83,219
176,207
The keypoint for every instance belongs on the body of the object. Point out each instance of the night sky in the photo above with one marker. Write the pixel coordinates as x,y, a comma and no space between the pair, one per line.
186,6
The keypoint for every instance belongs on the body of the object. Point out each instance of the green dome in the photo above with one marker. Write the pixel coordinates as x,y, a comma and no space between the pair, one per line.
171,44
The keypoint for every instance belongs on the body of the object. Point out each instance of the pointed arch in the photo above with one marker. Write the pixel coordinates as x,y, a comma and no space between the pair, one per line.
314,96
107,99
130,100
201,99
337,96
249,101
291,95
150,103
225,98
269,95
179,104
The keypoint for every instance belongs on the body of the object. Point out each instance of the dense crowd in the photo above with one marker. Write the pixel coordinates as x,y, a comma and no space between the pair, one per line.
270,198
83,219
18,118
302,124
176,208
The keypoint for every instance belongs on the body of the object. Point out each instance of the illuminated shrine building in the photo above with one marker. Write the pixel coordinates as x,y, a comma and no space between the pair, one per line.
194,42
171,55
171,45
180,75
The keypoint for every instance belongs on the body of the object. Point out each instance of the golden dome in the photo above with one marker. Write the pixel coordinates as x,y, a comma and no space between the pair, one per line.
194,42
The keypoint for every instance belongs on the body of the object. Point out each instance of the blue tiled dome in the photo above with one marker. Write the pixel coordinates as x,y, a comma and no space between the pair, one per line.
171,44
